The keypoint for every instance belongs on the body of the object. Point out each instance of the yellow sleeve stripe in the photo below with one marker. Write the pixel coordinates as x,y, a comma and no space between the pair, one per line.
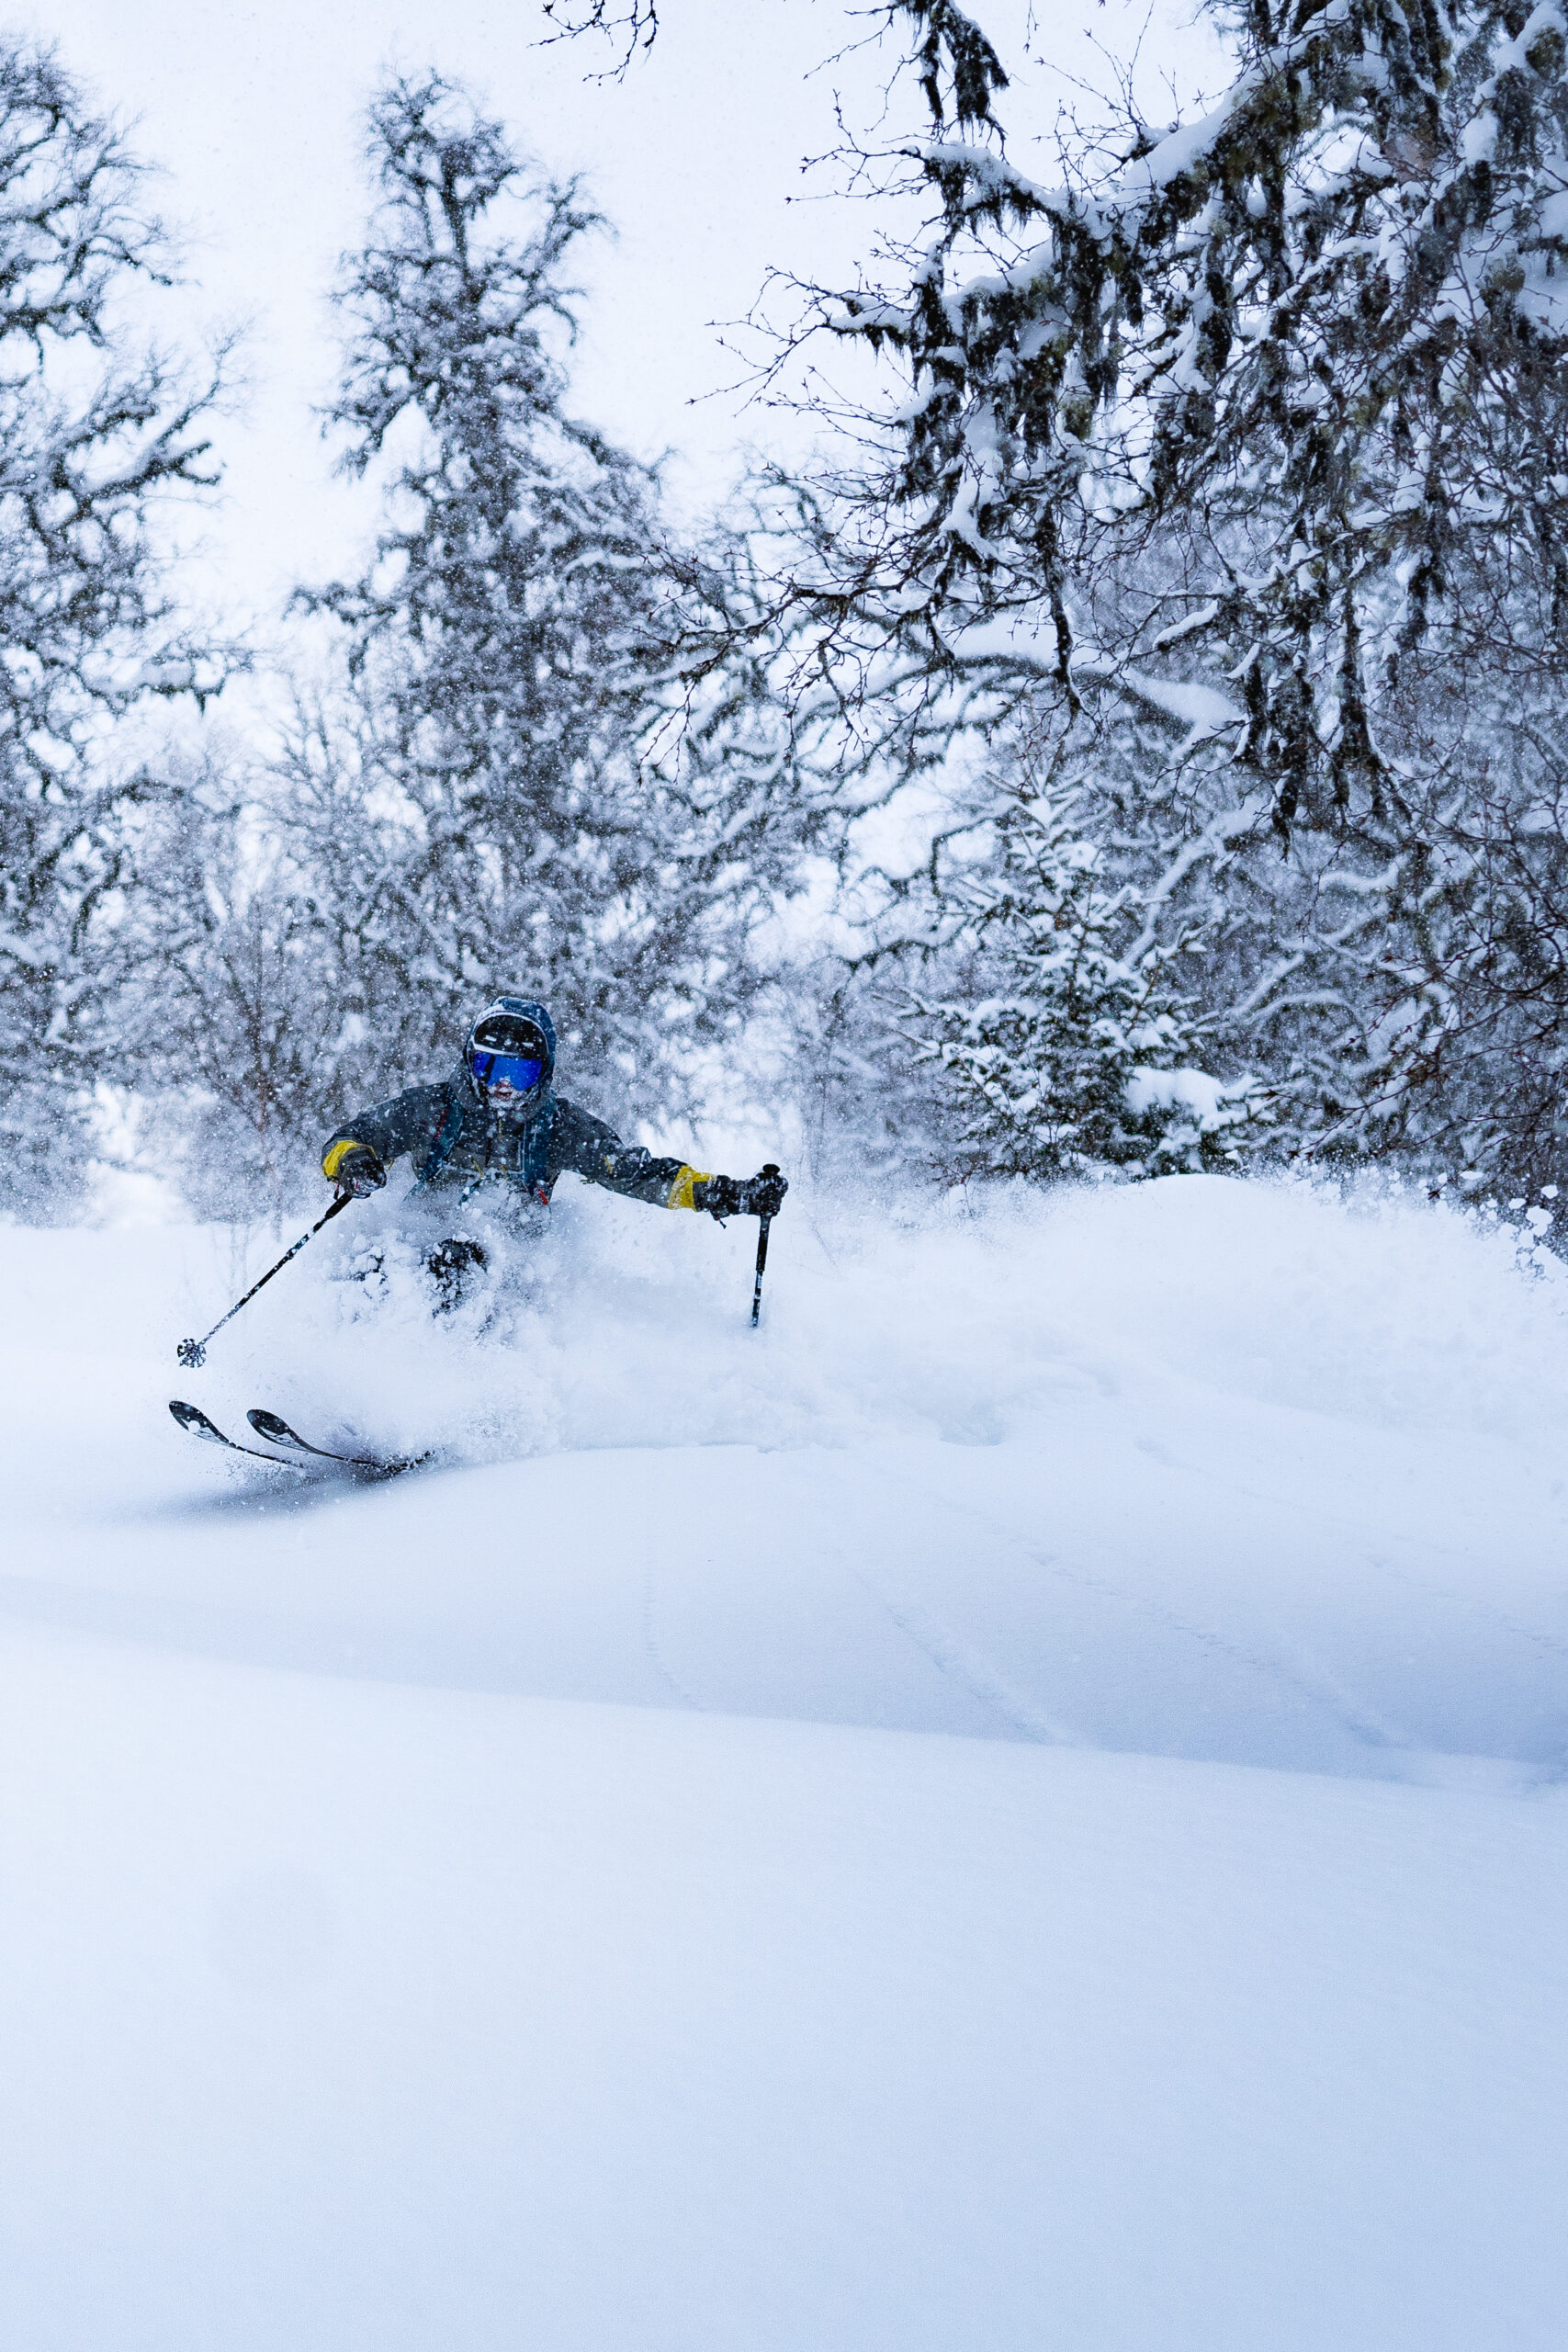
335,1156
680,1195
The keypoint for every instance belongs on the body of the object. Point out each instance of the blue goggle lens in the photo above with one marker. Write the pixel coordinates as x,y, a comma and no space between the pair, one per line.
509,1070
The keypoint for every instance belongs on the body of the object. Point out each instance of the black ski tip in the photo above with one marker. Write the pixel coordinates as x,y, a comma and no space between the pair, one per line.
192,1418
276,1430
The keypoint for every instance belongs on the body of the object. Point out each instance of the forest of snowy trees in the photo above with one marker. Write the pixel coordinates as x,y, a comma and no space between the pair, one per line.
1138,742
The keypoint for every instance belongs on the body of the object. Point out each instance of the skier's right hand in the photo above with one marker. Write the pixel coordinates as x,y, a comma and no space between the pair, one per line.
360,1171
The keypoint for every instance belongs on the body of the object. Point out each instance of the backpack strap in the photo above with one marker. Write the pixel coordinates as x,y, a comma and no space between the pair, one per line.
443,1140
535,1165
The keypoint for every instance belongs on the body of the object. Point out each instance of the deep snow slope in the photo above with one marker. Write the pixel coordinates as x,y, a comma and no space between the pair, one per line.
1020,1805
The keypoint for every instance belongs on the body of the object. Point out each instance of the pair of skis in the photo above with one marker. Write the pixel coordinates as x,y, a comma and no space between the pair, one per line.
277,1432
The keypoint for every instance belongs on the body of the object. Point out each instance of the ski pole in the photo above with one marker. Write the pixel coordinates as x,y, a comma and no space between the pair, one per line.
193,1352
762,1225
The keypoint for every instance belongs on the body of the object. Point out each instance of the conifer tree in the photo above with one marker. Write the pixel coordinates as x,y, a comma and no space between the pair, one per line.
494,818
1069,1050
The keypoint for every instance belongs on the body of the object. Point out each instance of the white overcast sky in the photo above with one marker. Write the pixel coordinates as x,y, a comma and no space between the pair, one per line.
254,114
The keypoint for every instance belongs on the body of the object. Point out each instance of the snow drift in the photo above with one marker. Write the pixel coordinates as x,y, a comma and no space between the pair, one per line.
764,1842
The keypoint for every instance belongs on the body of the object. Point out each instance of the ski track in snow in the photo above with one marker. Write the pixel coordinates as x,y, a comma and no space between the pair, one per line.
1020,1805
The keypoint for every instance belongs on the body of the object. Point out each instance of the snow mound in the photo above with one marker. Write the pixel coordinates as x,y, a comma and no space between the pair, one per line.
956,1319
1376,1306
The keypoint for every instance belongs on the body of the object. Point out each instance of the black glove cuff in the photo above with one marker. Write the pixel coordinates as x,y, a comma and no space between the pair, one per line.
720,1195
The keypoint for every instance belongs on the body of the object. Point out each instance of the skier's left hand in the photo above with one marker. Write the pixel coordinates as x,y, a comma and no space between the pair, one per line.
764,1192
760,1195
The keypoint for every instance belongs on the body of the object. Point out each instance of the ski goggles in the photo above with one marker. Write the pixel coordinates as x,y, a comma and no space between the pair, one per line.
522,1072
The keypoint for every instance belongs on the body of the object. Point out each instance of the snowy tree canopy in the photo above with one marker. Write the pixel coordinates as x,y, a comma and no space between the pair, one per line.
1230,463
1314,338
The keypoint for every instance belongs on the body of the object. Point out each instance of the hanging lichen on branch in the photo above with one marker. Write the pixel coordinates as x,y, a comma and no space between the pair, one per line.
1319,331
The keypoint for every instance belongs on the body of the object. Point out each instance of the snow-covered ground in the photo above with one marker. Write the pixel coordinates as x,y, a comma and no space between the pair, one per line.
1021,1806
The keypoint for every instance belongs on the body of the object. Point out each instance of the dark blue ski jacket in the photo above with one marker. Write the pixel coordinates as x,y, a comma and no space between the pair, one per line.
456,1139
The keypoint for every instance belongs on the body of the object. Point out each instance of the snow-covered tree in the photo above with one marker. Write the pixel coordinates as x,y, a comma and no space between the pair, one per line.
495,811
1069,1046
1456,949
96,432
220,977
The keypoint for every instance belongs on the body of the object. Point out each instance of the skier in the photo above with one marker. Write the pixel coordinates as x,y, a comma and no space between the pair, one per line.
497,1122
